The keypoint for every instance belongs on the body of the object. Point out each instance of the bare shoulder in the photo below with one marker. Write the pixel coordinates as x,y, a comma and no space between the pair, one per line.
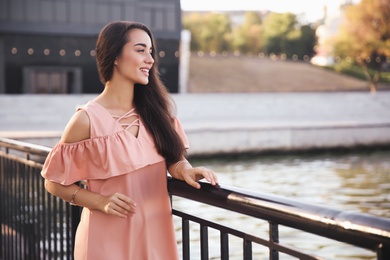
77,129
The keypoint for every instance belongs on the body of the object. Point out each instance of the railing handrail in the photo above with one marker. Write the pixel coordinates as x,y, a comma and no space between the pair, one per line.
363,230
32,149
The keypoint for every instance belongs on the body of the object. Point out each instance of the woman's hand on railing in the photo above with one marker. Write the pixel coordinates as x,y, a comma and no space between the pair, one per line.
192,175
184,171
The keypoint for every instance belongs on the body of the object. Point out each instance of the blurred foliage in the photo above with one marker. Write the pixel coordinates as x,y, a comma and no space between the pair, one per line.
209,31
245,38
364,37
278,34
352,69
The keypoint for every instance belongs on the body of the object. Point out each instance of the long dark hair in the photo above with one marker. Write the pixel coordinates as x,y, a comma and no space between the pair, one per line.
153,102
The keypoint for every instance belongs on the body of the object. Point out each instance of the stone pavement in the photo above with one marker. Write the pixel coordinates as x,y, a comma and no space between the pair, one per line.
229,123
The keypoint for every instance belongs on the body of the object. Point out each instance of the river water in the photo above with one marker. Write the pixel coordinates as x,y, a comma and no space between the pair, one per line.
353,181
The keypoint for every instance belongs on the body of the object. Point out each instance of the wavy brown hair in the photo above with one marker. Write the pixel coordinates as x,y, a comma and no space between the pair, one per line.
152,101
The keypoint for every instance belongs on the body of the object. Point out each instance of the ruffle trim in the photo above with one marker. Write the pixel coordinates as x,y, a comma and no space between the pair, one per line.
99,158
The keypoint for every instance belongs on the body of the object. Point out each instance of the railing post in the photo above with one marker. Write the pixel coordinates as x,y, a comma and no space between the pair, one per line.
247,250
224,246
186,239
383,252
76,214
273,238
204,243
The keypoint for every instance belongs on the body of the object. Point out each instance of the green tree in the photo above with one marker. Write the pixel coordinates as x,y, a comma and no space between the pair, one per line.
277,27
208,31
248,36
283,35
365,37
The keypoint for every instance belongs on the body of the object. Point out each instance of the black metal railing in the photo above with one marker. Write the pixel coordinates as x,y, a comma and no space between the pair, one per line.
361,230
36,225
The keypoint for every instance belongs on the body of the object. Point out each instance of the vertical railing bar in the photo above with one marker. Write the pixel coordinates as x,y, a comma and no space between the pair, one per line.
1,207
32,212
23,210
61,227
4,183
247,249
2,201
204,242
11,213
49,225
37,213
45,225
15,224
69,229
55,227
224,246
32,216
26,212
383,252
39,216
186,239
273,238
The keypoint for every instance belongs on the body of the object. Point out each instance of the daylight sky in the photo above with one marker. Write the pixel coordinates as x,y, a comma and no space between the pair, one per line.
311,10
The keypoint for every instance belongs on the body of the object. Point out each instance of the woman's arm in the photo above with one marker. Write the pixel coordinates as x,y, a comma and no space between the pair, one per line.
183,170
117,204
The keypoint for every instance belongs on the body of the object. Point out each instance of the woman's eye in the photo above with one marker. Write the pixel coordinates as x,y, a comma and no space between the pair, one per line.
140,50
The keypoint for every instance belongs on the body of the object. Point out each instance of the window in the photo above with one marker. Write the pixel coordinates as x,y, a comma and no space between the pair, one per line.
52,80
48,82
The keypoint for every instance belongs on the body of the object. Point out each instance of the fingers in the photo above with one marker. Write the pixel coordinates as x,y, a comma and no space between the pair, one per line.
191,176
120,205
193,183
209,175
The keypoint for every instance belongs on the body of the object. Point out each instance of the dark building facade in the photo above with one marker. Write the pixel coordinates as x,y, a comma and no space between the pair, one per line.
47,46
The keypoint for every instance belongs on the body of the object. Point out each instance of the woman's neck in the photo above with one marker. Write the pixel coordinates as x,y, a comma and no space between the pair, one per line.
118,95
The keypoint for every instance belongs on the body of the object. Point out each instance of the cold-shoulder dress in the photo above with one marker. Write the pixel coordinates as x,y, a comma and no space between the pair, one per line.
114,160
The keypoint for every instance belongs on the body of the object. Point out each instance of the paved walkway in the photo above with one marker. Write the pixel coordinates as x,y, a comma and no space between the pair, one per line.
226,123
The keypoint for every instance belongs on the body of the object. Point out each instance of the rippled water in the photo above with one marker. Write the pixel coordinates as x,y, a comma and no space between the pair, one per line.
358,182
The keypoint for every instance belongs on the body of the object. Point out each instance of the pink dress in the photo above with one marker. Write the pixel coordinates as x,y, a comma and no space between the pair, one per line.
114,160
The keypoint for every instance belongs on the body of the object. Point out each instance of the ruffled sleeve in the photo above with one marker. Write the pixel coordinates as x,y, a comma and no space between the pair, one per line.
97,158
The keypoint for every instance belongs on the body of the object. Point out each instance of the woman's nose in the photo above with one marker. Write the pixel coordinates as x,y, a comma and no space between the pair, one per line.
149,59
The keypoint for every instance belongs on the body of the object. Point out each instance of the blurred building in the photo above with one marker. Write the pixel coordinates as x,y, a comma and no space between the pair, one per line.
47,46
327,29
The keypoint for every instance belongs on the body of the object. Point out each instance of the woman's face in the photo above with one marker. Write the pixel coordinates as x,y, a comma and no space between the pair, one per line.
136,59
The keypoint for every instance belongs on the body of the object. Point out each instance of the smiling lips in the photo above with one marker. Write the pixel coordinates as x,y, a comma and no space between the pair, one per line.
145,71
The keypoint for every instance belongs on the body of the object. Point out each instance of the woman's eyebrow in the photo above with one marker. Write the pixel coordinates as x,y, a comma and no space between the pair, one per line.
140,44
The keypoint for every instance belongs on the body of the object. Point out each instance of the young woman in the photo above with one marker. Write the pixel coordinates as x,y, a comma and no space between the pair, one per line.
122,143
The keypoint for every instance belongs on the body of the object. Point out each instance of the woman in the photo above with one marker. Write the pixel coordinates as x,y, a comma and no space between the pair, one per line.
122,143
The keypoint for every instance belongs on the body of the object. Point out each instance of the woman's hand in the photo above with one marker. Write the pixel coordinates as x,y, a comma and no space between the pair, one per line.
118,205
192,175
183,170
